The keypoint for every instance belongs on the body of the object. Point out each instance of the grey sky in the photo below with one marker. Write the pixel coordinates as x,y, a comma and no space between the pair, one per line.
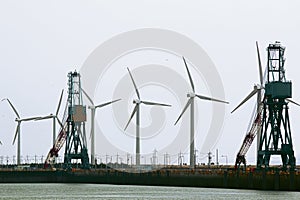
40,42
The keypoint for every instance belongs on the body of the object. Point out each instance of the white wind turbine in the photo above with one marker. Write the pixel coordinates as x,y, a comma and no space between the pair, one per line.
54,118
136,110
18,129
190,102
93,111
257,89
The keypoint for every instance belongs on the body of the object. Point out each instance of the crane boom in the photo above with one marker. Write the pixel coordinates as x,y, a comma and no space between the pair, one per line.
255,128
60,140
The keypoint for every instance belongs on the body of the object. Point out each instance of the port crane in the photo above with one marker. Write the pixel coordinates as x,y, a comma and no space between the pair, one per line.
271,123
72,131
275,134
60,140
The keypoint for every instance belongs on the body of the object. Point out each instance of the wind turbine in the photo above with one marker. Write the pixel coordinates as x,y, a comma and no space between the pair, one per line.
54,118
93,111
136,110
191,97
18,129
257,87
256,90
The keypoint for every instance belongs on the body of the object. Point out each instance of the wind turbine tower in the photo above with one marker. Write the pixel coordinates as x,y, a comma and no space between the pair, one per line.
76,145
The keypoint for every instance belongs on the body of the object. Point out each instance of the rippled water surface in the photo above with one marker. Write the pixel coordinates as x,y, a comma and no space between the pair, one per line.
97,191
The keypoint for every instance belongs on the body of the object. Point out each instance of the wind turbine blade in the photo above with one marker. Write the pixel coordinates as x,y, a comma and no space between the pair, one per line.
184,109
291,101
154,103
42,118
19,123
59,103
132,114
14,109
137,92
60,123
190,77
87,96
105,104
210,98
29,119
259,65
253,92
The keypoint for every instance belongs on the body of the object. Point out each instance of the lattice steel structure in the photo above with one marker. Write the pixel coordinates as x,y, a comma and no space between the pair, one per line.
275,137
76,145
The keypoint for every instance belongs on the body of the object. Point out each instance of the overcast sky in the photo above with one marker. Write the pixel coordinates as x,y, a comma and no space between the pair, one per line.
41,41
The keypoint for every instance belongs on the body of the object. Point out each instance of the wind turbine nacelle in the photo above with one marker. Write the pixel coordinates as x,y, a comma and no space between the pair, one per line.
191,94
78,113
136,101
92,107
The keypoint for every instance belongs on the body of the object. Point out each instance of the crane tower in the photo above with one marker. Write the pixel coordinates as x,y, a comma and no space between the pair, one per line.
76,145
275,137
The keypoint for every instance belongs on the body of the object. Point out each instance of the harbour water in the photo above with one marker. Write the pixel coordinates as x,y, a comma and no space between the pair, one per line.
98,191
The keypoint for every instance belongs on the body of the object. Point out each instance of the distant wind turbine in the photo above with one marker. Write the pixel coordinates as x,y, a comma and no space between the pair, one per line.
257,89
54,118
93,111
191,97
18,129
136,111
